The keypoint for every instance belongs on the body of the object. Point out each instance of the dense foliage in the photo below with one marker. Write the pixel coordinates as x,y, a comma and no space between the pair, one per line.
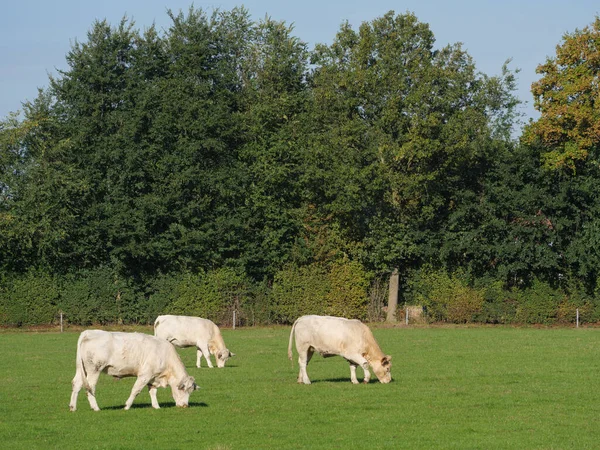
221,165
567,98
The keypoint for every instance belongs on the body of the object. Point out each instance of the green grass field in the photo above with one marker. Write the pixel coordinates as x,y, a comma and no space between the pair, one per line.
460,388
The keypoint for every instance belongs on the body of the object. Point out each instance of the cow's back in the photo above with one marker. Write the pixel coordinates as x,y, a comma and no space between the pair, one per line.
185,330
330,334
127,352
96,346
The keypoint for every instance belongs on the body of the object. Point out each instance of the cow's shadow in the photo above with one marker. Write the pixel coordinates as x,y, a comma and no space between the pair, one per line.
343,380
164,405
193,366
330,380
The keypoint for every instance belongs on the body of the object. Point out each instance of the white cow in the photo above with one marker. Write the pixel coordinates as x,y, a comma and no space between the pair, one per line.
331,336
185,331
153,361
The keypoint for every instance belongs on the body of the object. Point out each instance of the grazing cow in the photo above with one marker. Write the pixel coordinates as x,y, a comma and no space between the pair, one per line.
184,331
153,361
331,336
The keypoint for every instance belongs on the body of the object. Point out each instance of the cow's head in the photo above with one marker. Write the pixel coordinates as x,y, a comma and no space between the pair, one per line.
382,368
222,357
181,394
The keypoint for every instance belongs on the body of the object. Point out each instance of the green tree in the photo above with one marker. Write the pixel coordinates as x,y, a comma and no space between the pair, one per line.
41,192
274,101
512,229
400,128
153,124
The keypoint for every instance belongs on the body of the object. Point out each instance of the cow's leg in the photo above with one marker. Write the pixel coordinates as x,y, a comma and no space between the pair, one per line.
365,368
198,356
92,380
355,361
353,373
304,356
152,390
77,384
137,388
204,347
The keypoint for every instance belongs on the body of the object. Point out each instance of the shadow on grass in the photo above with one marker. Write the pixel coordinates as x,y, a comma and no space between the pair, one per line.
228,366
344,380
164,405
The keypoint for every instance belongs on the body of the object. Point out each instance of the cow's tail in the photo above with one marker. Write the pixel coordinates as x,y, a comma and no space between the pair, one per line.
291,340
79,366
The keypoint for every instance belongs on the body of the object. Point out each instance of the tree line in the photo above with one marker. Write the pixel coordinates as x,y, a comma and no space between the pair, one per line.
222,165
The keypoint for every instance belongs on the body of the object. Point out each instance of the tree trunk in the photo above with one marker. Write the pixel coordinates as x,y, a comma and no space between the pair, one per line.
393,297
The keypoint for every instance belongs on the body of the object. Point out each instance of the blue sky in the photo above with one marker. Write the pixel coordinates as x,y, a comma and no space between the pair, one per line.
35,36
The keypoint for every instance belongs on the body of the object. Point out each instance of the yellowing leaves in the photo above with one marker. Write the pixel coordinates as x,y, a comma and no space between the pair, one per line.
568,98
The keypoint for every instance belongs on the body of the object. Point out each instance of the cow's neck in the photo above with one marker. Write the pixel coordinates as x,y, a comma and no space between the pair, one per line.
216,344
175,376
372,350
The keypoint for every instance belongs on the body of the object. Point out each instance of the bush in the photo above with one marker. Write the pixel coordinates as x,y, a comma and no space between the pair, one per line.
258,307
161,294
101,296
341,288
212,295
347,296
463,303
538,304
29,299
338,289
378,297
576,299
499,305
300,290
446,298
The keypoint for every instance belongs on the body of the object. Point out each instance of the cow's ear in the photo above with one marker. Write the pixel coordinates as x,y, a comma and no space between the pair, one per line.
190,381
366,356
231,353
386,360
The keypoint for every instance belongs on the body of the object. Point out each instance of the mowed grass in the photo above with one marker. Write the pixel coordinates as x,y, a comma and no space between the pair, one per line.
460,388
